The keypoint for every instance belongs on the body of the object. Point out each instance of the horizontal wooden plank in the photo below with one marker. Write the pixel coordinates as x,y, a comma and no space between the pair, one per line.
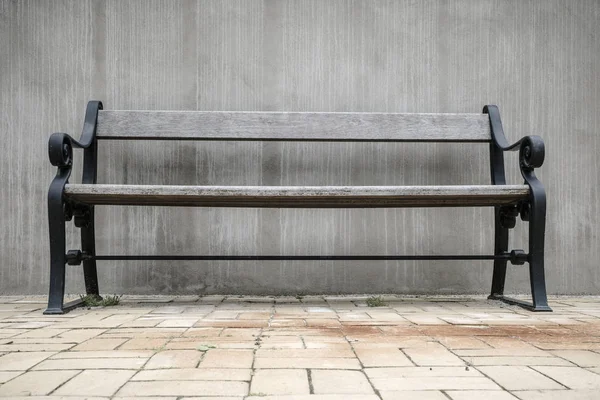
292,126
298,196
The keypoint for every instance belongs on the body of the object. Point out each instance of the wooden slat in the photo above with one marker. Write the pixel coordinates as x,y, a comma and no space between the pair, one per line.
298,196
292,126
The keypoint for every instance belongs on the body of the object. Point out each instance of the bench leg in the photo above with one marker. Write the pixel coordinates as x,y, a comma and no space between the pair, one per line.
500,247
537,226
58,260
88,246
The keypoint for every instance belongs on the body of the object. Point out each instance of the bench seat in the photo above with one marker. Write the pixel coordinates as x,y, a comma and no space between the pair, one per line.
298,196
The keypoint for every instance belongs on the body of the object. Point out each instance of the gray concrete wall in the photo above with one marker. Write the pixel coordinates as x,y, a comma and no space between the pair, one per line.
538,60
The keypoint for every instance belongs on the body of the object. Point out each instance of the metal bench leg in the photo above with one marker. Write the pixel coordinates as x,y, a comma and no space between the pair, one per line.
535,213
500,247
58,213
88,246
537,226
531,156
58,259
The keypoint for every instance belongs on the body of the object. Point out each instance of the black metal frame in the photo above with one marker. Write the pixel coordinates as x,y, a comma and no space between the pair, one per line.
61,209
531,156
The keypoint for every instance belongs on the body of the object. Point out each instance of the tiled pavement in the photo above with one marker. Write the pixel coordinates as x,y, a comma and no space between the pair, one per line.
305,348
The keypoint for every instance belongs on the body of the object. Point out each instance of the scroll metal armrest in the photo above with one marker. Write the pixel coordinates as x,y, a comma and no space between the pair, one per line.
60,152
60,145
531,155
531,148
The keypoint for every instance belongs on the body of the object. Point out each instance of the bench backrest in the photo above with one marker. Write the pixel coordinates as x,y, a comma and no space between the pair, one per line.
292,126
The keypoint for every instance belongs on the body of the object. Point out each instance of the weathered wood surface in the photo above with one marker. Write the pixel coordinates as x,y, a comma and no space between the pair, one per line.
298,196
292,126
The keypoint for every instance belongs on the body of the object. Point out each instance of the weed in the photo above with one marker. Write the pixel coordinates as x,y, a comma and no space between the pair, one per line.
376,301
111,301
91,300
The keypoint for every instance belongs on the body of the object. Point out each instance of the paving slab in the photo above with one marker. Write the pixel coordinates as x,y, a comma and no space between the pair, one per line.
52,397
383,357
279,382
227,358
36,383
314,397
520,378
161,398
305,353
144,344
582,358
103,354
307,363
174,359
22,361
418,372
91,363
184,388
434,383
433,354
188,398
6,376
572,377
327,381
413,395
557,394
194,374
480,394
95,383
515,360
99,344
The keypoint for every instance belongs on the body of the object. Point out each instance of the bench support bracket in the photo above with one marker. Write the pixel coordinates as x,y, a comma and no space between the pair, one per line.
531,156
60,151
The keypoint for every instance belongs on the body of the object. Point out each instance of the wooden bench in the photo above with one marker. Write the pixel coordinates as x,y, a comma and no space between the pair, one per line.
77,201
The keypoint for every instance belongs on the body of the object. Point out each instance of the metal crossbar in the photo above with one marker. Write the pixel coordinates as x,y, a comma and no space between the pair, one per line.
295,257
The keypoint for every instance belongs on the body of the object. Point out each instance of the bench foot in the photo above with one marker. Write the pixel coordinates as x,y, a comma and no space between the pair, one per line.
515,302
65,308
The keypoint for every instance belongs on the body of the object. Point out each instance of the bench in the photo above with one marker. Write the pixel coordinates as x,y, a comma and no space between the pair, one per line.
68,201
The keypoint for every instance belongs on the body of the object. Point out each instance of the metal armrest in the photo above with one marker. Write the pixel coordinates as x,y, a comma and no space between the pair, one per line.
531,148
60,145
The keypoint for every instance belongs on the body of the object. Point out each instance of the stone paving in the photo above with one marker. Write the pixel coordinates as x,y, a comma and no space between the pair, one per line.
301,348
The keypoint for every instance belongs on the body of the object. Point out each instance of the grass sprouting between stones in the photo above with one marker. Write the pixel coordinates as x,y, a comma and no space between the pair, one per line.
376,301
96,301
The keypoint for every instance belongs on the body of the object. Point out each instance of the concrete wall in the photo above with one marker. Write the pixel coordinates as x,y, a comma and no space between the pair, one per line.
538,60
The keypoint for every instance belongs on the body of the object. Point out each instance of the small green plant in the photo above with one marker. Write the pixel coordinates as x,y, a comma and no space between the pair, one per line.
111,301
91,300
376,301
